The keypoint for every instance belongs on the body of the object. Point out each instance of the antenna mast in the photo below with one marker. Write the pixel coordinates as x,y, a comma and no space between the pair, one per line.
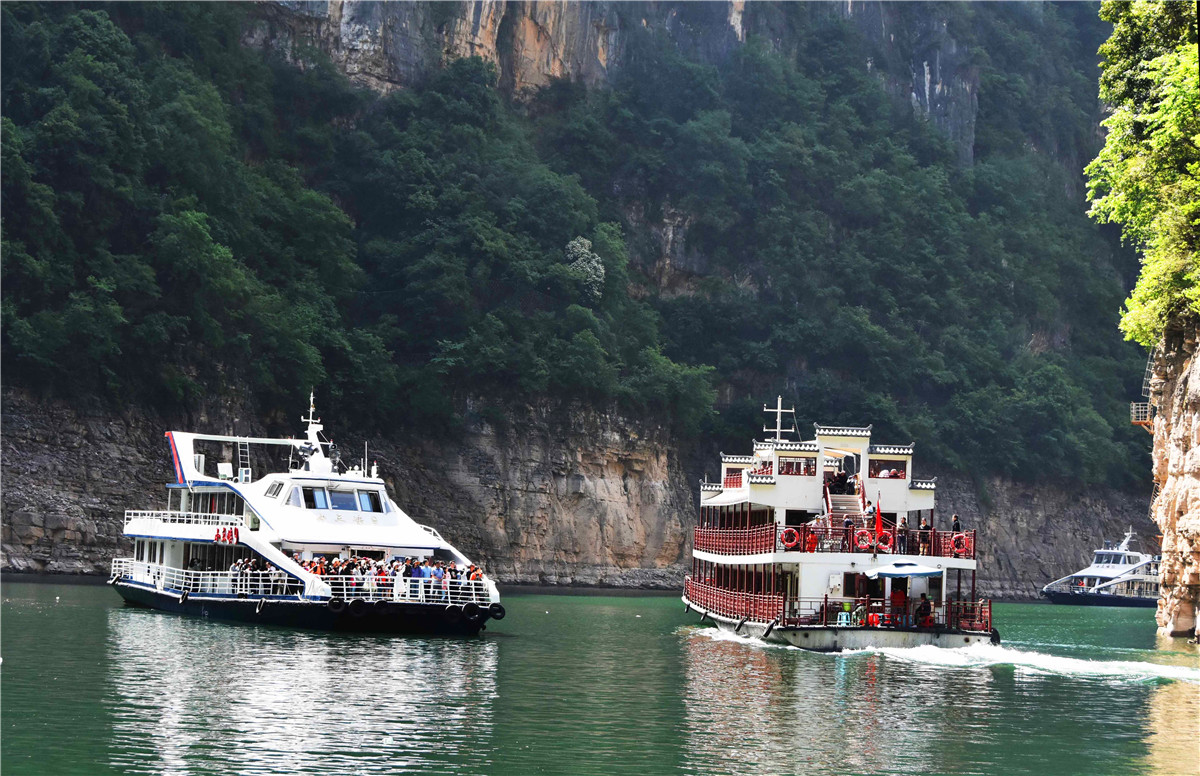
779,412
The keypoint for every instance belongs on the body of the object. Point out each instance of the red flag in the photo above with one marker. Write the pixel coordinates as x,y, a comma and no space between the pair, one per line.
878,520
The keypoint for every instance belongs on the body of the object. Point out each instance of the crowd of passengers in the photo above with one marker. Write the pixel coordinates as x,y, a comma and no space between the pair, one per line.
420,579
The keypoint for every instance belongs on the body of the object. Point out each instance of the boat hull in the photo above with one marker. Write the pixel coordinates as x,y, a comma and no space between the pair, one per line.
819,638
1098,599
291,612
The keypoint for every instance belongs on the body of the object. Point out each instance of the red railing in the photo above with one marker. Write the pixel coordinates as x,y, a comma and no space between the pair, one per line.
879,613
740,541
815,538
940,544
733,481
756,607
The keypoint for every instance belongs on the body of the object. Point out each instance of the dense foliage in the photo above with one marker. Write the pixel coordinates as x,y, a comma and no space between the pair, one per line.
183,214
170,227
848,262
1147,177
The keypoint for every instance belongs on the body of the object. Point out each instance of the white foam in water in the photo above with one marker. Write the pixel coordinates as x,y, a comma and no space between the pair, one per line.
982,655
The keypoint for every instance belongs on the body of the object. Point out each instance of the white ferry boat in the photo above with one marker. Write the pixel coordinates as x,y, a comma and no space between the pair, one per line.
1117,576
830,544
231,546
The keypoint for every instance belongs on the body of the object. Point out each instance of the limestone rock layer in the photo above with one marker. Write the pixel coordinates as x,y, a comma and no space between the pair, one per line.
1175,392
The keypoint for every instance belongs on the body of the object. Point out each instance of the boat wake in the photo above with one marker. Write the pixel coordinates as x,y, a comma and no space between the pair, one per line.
986,655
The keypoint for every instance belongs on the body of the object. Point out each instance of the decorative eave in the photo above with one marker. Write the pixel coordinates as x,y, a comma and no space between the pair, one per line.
760,479
709,486
892,449
807,447
847,431
736,458
929,484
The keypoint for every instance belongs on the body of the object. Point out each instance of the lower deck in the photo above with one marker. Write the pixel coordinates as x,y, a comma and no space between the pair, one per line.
358,615
835,638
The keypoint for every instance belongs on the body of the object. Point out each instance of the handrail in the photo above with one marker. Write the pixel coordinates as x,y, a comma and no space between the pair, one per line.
278,582
827,611
733,481
184,518
418,590
756,607
735,541
273,582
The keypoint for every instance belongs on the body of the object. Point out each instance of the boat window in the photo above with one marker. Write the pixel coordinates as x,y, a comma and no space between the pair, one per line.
273,491
314,498
368,501
295,499
343,499
139,550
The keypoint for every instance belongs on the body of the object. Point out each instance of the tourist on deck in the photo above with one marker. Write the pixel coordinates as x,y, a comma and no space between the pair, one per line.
439,581
924,536
924,612
955,525
902,534
848,534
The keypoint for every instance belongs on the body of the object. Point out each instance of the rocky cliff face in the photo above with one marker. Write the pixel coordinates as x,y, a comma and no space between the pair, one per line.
1175,392
556,497
388,45
548,496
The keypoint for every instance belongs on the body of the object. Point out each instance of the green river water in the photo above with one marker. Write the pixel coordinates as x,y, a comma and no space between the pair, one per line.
581,684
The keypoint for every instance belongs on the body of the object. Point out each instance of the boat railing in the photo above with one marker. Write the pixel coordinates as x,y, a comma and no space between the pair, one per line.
754,607
276,582
184,518
167,578
418,590
840,611
822,538
735,541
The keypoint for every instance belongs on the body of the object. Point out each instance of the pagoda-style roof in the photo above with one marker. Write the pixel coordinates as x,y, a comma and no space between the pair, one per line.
851,431
761,479
779,444
736,458
929,484
892,449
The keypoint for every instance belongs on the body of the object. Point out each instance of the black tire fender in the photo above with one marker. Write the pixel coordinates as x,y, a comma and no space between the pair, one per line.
358,607
453,613
336,605
496,611
471,611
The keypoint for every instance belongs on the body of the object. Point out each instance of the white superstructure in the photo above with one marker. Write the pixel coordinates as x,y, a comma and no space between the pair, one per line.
316,506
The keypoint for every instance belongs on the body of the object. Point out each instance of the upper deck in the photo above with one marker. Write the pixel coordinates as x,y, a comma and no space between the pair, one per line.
836,492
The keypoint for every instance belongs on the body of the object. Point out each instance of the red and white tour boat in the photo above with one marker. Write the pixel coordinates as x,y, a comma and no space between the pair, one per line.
831,544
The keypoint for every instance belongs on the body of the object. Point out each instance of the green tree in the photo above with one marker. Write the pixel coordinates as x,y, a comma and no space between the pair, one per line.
1147,177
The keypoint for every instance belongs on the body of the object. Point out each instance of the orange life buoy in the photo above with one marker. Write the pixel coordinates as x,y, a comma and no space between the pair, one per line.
884,542
862,539
790,537
958,542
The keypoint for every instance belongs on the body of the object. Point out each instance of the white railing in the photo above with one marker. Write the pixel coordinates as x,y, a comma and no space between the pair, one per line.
183,518
276,582
428,591
273,582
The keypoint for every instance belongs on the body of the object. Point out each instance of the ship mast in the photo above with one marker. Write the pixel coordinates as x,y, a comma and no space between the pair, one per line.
779,411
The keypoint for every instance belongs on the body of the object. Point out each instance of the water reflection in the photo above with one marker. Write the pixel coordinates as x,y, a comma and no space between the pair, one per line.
189,696
1173,745
778,710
